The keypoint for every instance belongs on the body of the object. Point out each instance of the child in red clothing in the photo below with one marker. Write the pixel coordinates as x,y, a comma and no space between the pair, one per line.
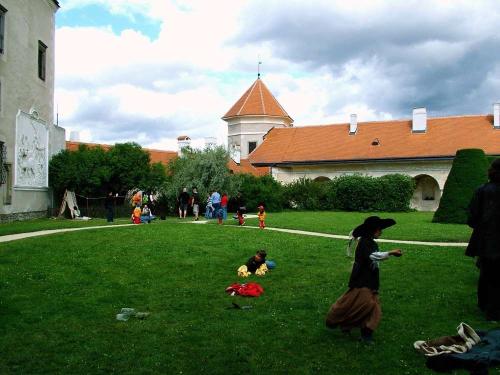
262,216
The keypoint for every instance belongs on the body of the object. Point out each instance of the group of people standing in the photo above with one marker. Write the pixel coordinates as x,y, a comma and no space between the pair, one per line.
216,204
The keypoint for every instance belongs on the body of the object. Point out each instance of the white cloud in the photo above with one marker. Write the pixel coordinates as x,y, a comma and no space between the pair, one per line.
323,60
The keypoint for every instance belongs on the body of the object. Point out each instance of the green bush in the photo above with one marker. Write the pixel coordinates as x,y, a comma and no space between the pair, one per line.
256,190
468,172
306,194
364,193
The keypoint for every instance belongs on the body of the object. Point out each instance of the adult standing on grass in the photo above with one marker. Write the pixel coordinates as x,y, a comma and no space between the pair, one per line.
240,208
183,203
223,205
484,218
216,199
195,202
109,203
359,306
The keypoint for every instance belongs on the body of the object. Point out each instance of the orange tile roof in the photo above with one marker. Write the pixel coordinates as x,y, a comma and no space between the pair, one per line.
333,143
156,156
164,157
246,167
257,101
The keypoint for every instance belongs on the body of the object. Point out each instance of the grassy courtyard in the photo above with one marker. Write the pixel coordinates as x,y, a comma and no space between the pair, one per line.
59,296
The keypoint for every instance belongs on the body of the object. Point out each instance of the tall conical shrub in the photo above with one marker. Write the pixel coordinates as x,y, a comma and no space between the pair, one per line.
468,171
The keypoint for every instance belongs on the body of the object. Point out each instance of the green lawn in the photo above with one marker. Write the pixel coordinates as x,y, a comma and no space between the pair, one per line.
410,225
47,224
59,295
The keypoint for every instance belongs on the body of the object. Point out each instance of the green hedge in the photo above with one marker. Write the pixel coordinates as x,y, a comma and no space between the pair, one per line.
306,194
364,193
468,172
257,190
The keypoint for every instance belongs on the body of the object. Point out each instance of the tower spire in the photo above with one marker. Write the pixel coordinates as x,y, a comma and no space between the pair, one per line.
258,69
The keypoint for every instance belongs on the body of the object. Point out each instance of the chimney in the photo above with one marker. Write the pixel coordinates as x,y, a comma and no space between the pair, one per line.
496,115
235,153
353,125
210,142
419,123
182,142
74,136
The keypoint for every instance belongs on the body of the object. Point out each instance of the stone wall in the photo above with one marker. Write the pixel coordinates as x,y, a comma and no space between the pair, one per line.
18,216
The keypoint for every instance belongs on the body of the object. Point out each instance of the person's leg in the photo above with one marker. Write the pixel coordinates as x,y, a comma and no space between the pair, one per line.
490,269
180,212
482,286
224,213
366,335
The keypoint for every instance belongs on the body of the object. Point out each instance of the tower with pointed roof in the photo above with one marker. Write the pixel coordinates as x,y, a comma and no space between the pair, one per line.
251,117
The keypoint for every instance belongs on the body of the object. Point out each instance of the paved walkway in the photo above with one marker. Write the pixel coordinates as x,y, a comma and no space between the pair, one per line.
19,236
340,237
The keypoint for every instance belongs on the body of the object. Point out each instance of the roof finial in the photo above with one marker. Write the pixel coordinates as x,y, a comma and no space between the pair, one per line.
258,68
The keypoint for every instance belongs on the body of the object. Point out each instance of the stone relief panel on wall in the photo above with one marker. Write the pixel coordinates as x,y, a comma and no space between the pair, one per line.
32,136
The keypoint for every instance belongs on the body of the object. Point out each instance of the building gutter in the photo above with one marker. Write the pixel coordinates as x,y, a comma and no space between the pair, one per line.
352,161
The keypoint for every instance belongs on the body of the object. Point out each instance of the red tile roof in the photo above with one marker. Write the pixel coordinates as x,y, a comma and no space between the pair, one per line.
156,156
333,143
246,167
164,157
257,101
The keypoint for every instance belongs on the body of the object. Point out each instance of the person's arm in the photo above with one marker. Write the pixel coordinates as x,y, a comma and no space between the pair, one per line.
383,255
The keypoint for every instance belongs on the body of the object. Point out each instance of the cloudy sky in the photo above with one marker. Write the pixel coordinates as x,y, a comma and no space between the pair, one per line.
151,70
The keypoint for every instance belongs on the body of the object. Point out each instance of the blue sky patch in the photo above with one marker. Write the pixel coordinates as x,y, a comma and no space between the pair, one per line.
98,16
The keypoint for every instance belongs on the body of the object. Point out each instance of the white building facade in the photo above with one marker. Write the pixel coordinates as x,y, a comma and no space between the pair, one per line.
28,136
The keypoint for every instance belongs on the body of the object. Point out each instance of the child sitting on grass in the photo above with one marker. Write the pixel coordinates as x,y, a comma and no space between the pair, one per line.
256,264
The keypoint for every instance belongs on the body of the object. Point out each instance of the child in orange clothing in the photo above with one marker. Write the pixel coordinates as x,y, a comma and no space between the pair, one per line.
262,216
136,215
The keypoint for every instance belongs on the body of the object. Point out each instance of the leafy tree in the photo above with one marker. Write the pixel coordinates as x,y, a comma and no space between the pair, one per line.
92,171
130,166
204,169
86,171
468,171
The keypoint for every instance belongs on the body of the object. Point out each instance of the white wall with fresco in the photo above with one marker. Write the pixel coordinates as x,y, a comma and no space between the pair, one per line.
31,152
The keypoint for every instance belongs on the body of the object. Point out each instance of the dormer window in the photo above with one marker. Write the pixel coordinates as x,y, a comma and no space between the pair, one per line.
376,142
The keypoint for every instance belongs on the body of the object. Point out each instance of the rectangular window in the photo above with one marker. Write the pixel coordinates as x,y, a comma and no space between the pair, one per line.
251,146
42,56
7,198
2,28
3,162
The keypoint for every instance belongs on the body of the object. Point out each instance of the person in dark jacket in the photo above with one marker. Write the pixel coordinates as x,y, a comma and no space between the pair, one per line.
484,218
256,261
240,209
109,204
360,306
183,200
